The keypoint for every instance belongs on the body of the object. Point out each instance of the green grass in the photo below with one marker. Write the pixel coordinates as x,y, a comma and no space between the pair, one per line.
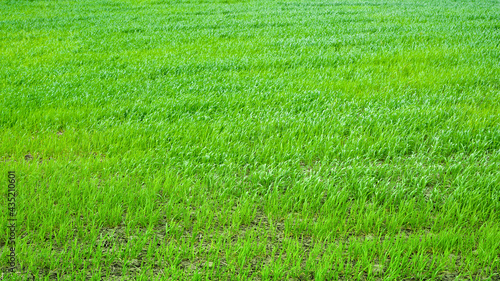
264,140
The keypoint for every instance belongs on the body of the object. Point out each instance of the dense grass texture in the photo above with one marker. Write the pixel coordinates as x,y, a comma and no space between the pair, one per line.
251,140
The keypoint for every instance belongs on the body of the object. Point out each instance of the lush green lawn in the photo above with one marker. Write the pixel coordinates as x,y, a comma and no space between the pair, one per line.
266,140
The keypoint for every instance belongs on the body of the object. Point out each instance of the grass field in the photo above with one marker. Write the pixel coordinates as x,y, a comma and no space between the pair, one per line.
251,140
